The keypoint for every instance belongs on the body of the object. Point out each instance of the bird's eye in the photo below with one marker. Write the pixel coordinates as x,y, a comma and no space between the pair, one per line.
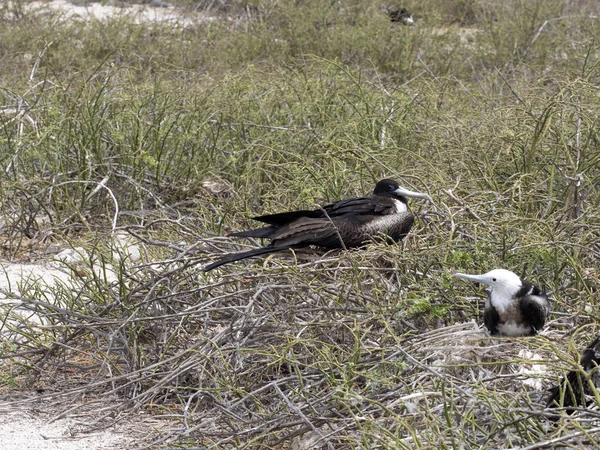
493,279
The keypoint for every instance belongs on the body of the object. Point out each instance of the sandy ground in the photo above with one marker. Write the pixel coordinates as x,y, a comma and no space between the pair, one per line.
28,431
33,424
155,11
37,424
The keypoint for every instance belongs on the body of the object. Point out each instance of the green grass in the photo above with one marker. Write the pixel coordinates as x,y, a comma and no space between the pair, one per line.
490,107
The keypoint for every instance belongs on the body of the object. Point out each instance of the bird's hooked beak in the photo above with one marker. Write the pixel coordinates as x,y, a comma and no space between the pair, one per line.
412,194
475,278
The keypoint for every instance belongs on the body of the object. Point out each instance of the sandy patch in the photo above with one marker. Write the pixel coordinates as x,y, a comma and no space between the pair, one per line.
135,13
41,424
26,431
29,424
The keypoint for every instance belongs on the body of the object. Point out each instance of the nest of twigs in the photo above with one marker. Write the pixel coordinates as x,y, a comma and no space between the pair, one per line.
307,351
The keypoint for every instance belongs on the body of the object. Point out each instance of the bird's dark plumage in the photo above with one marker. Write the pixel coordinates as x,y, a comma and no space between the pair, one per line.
399,15
348,223
529,311
574,389
535,305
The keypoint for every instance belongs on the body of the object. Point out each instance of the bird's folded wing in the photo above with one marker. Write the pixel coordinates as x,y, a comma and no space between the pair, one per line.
350,206
306,231
361,206
536,308
280,219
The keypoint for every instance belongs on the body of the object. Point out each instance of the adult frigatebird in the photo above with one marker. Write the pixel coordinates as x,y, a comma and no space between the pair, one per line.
351,222
576,388
399,15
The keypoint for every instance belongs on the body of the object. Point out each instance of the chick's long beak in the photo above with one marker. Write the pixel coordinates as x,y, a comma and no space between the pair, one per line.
474,278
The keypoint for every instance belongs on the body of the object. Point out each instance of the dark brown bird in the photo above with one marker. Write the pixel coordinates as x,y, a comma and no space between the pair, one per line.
348,223
399,15
575,390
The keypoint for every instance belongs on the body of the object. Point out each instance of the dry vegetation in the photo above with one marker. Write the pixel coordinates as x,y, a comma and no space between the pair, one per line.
489,106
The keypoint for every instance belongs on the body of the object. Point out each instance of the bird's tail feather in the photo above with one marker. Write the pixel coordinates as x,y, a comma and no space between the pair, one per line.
243,255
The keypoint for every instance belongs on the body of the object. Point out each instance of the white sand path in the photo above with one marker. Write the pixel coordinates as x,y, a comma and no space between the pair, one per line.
135,13
30,425
26,431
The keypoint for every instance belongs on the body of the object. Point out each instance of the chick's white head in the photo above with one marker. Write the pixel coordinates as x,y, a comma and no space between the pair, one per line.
503,284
